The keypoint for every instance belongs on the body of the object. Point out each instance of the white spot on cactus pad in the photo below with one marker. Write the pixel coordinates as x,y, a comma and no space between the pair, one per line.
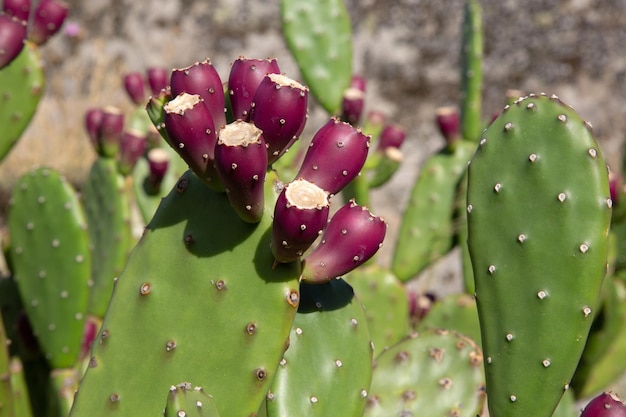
482,142
521,238
508,126
298,331
41,199
56,243
562,118
545,363
338,363
583,248
586,311
497,187
532,157
491,269
562,197
513,398
314,400
363,393
541,295
592,153
64,294
470,208
509,337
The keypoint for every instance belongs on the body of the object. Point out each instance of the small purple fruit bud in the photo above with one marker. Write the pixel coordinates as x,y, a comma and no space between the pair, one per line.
607,404
132,147
352,237
18,8
392,136
158,78
241,162
158,163
48,18
245,77
449,123
300,216
12,36
335,156
202,78
352,105
110,132
279,109
358,83
191,133
135,86
93,121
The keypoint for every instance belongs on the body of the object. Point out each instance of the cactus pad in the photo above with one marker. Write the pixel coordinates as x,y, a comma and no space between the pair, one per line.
538,219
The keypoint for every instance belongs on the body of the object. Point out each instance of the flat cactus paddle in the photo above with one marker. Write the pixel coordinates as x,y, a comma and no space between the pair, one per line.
51,261
21,86
538,219
319,36
433,373
199,300
327,368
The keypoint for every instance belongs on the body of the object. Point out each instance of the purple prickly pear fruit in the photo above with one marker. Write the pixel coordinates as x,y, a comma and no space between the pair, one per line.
392,136
335,156
279,109
135,86
132,147
449,123
245,77
93,121
353,235
158,78
18,8
110,132
158,163
358,83
191,133
48,18
202,78
607,404
12,35
241,162
300,216
352,105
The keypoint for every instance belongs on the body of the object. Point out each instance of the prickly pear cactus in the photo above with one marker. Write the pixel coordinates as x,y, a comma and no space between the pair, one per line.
538,218
21,87
51,261
319,36
199,284
106,198
472,72
427,227
434,373
454,312
328,367
386,304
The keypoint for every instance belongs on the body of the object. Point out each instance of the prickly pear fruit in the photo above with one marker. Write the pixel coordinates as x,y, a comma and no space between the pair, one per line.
158,79
352,105
279,109
185,401
202,78
352,237
245,76
17,8
229,316
241,163
607,404
436,373
52,263
192,134
538,219
135,86
330,331
109,131
386,303
48,17
12,36
427,229
335,156
300,216
319,36
21,87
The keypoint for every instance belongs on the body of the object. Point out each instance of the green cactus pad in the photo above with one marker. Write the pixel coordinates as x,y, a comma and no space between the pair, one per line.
538,218
434,373
386,304
21,398
472,72
319,36
327,368
427,229
21,86
199,300
106,198
6,395
51,260
454,312
185,401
